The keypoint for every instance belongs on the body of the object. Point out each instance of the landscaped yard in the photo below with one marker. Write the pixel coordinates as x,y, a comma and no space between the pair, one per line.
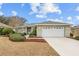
27,48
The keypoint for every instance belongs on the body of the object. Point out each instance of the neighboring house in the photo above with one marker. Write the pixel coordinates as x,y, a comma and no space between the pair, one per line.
47,29
4,25
75,31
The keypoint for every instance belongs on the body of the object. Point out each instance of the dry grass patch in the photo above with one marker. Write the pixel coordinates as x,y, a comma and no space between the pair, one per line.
9,48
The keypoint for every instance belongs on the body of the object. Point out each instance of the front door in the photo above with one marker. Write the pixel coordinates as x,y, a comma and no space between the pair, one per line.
28,29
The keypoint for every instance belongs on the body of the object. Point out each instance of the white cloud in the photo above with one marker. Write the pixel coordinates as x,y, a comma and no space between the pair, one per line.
1,13
41,16
14,13
61,17
57,20
44,8
34,7
22,4
50,8
77,17
1,5
77,8
69,18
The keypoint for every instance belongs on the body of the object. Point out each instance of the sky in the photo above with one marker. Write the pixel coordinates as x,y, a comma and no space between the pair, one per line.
39,12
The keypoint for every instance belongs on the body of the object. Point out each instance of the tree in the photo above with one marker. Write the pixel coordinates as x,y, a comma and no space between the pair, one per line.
22,19
13,20
16,21
4,19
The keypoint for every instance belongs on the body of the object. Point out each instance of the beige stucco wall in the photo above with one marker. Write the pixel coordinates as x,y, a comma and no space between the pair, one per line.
67,30
39,31
21,30
24,29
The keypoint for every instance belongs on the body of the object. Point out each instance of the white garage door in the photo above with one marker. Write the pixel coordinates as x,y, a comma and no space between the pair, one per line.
53,32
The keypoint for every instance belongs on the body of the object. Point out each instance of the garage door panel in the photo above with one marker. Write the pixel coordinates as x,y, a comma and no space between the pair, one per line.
53,32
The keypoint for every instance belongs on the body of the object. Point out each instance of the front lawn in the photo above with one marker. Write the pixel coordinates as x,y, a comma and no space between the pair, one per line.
8,48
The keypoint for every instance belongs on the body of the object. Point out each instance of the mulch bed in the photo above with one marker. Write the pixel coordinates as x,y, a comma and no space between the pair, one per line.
36,40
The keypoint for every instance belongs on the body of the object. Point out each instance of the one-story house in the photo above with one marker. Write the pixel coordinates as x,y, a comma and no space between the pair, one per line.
47,29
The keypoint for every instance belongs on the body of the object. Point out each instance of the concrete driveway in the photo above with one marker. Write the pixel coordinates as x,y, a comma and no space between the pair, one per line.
64,46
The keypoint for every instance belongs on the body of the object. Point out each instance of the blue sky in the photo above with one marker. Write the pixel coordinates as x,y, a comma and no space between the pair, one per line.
38,12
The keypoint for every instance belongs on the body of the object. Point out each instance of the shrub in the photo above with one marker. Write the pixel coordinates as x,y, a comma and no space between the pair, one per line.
33,32
1,31
7,31
23,34
71,35
16,37
77,38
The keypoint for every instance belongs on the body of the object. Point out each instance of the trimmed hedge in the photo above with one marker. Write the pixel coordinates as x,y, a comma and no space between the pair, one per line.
16,37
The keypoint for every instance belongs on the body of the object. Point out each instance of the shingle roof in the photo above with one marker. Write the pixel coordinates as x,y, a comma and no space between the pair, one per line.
53,22
25,25
46,22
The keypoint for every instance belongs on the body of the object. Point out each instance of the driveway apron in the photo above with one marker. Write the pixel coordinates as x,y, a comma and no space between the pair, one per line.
64,46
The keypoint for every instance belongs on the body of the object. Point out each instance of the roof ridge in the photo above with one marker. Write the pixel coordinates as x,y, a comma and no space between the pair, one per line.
52,22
